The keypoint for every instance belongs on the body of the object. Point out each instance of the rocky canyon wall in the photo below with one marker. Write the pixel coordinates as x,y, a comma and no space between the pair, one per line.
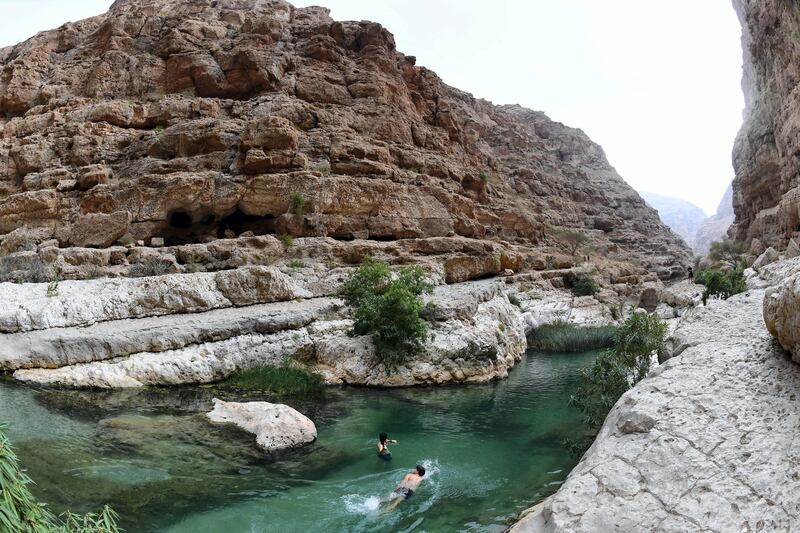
766,156
195,120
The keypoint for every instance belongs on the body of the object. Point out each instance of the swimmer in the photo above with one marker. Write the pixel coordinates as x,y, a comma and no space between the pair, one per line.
404,489
383,450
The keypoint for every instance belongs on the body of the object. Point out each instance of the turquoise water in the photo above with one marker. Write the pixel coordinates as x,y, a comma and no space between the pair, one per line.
490,450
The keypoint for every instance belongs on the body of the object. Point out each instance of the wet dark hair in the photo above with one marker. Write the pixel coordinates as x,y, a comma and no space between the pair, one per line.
420,470
382,437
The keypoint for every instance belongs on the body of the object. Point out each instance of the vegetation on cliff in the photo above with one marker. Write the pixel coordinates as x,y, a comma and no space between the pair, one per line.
583,285
21,513
387,305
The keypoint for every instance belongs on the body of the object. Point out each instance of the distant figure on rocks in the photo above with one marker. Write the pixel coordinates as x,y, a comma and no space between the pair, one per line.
383,450
690,273
404,489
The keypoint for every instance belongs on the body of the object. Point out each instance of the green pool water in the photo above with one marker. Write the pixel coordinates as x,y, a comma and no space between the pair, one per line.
490,450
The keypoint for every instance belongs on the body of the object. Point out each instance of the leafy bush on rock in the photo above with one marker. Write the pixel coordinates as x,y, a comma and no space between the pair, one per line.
387,305
583,285
722,283
615,371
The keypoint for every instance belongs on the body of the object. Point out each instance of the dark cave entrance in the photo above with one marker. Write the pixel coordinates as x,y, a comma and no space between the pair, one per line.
239,222
185,227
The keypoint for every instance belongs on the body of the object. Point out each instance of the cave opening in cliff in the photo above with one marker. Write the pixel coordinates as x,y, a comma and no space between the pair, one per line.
238,222
184,227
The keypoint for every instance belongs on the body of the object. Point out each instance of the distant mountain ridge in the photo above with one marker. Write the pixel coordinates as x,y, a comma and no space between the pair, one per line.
683,217
715,227
691,222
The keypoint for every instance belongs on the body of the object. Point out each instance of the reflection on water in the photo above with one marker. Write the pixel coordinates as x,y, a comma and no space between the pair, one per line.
491,450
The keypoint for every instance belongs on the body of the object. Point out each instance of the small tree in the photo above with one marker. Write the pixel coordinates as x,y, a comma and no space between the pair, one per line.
636,340
727,251
387,306
571,239
617,370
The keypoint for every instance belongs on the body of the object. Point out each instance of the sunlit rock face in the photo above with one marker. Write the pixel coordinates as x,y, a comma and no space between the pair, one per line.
192,120
766,195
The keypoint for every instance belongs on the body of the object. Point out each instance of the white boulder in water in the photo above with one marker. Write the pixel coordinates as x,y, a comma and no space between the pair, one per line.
277,427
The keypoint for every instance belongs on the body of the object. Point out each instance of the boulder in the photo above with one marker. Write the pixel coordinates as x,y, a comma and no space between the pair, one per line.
248,286
769,256
792,250
277,427
782,314
95,230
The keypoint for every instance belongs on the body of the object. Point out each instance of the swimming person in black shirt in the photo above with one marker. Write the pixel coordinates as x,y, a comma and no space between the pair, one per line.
383,450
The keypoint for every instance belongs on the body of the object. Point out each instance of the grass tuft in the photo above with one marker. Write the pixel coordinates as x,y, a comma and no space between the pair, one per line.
285,380
565,337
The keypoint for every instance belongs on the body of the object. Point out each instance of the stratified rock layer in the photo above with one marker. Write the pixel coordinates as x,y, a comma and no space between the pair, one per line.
765,191
194,120
708,442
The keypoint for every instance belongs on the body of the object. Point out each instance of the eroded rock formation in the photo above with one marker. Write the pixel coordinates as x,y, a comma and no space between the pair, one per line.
188,121
765,191
197,328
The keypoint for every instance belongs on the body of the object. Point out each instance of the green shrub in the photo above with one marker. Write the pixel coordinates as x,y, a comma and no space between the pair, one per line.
722,283
21,513
484,176
295,263
388,306
615,371
583,285
601,385
514,300
52,288
566,337
289,380
324,168
149,267
287,240
297,204
636,340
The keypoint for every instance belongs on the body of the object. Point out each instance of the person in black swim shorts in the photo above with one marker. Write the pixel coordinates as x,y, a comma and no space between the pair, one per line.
405,488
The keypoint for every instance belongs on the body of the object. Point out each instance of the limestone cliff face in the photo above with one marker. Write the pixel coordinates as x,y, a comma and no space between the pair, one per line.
767,152
193,120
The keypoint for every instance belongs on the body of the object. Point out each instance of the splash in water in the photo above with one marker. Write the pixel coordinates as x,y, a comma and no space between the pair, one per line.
371,504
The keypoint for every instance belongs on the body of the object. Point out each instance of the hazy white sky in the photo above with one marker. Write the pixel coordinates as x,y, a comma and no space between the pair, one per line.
656,83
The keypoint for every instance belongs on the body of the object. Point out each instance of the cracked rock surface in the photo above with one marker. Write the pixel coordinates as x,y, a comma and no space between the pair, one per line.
708,442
